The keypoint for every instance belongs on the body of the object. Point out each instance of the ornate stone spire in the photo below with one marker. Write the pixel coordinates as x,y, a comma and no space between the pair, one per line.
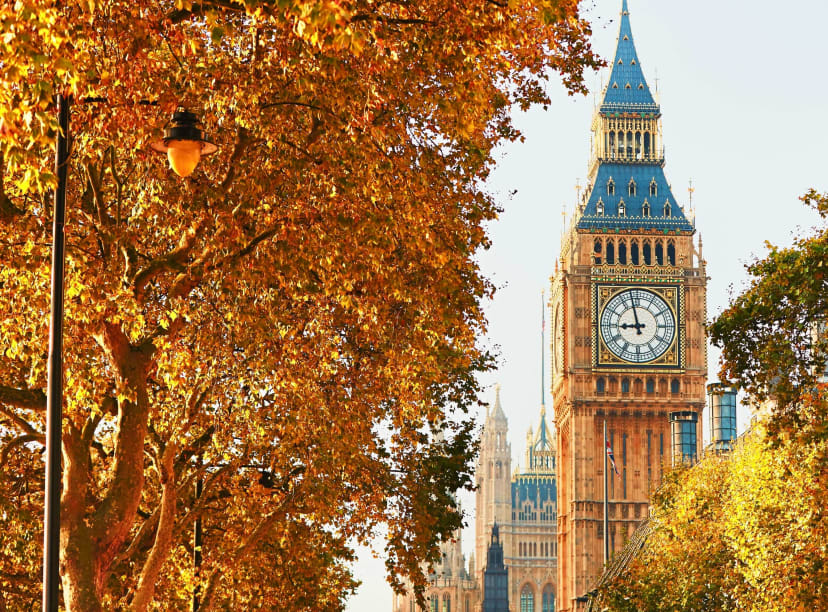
497,411
627,189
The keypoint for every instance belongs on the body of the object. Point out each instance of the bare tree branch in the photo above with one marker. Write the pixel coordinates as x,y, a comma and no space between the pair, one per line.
243,141
145,590
30,399
171,262
19,441
21,423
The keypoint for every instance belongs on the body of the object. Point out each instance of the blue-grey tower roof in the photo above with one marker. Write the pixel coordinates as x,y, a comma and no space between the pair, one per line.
649,205
627,88
628,189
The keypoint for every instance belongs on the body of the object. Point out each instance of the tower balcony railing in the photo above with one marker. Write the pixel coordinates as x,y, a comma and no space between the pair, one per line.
449,582
626,155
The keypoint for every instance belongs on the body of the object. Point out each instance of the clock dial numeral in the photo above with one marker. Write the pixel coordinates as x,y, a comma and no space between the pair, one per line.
637,325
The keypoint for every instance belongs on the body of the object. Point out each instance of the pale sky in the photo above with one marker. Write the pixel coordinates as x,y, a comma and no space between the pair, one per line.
742,86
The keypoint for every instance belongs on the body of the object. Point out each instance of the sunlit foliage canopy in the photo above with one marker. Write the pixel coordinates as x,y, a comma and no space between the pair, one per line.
748,530
291,324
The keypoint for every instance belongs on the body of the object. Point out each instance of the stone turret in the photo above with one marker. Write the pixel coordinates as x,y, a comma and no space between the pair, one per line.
493,474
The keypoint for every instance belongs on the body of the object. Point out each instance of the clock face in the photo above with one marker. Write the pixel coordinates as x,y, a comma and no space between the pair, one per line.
637,325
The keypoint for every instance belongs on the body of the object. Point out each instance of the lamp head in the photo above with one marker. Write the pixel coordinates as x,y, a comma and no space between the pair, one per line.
184,143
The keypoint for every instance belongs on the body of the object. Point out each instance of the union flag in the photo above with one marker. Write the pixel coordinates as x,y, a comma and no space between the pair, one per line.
611,458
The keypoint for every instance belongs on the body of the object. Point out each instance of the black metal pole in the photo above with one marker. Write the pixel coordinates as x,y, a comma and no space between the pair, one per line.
54,401
197,537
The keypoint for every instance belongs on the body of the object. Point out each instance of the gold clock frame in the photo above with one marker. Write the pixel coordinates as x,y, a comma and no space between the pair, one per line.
558,340
671,360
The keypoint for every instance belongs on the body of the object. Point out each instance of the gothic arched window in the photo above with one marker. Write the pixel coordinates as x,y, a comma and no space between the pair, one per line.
650,385
625,385
674,385
667,209
548,600
600,386
659,253
648,255
645,210
622,252
653,188
622,208
527,599
610,252
596,253
634,252
610,187
671,252
631,188
599,208
446,602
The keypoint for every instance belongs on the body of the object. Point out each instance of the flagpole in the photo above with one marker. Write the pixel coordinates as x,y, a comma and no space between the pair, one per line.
606,496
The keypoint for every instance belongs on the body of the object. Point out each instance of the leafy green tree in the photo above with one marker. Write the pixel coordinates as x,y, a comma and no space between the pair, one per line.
773,337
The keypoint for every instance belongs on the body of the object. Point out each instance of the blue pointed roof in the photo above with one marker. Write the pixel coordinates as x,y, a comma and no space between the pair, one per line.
627,89
603,209
543,441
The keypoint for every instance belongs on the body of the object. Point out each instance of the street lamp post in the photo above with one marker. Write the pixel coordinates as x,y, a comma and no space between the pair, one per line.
184,144
54,398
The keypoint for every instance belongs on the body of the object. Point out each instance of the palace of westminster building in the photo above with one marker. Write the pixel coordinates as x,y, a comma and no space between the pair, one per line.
628,348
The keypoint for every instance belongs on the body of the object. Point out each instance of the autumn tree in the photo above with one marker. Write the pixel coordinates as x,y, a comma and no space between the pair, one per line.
744,531
296,326
685,563
775,346
773,336
747,531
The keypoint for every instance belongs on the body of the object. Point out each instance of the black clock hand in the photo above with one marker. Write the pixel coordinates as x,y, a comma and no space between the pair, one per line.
638,325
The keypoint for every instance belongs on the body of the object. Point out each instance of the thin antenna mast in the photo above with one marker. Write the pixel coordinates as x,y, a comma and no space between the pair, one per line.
543,336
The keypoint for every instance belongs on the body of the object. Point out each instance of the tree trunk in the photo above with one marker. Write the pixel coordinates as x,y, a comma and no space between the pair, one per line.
90,543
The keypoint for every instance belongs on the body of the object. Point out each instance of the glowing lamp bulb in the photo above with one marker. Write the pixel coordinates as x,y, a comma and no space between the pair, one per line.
184,156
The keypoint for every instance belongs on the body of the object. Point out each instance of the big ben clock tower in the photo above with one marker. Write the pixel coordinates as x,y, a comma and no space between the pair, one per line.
628,346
